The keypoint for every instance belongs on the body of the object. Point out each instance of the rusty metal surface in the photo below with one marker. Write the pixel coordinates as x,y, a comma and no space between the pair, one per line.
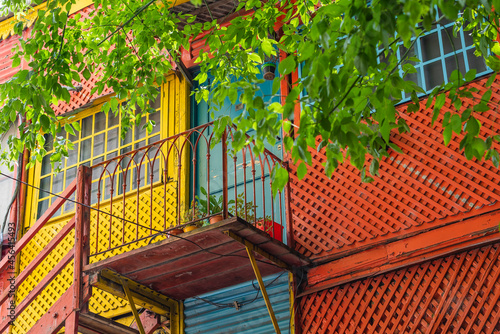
428,185
454,294
200,261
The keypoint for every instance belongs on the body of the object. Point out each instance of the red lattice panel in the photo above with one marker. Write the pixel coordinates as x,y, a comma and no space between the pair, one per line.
430,181
83,97
455,294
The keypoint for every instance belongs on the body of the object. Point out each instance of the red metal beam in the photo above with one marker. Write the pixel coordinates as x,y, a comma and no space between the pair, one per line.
52,321
44,282
82,228
71,323
40,223
428,245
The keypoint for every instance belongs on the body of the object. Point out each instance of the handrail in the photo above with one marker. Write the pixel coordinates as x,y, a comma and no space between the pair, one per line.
40,257
21,244
25,239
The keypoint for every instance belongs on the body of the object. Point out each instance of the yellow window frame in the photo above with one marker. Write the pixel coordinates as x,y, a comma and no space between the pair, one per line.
174,115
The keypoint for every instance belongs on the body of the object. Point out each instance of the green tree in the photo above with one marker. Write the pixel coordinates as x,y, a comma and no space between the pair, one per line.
348,98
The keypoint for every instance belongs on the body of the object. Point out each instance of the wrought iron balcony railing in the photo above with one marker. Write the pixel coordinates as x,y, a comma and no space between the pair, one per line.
143,195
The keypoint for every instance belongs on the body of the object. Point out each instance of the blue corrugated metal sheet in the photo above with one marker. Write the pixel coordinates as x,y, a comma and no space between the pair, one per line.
251,318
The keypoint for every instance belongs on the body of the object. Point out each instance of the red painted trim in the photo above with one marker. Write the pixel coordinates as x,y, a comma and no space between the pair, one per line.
362,246
435,243
56,316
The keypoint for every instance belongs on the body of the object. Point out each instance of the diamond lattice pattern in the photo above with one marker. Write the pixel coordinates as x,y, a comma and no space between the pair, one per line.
414,191
454,294
150,206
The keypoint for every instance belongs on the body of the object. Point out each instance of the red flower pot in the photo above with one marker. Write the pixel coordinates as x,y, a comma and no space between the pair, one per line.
274,229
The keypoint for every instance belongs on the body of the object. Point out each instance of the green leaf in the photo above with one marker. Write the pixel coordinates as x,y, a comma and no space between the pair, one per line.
233,95
479,147
287,65
279,177
456,123
76,126
440,100
16,62
86,74
495,158
301,170
374,166
496,49
267,47
466,114
13,115
447,135
276,85
471,75
396,148
69,129
45,122
492,77
473,126
493,62
481,107
255,57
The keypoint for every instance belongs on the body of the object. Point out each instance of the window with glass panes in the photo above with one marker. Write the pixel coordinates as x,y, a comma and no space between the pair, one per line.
98,140
440,52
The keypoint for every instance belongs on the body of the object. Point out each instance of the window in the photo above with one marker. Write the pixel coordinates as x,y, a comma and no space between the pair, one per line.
98,140
440,51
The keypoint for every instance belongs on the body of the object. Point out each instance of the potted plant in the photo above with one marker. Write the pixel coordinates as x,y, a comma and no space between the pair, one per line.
243,209
271,227
216,205
193,214
246,210
268,70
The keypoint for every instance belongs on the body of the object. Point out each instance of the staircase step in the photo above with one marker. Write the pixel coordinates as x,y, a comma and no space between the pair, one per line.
90,323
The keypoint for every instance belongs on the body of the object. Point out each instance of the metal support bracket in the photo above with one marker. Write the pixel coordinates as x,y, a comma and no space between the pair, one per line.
112,282
258,250
263,290
253,248
132,306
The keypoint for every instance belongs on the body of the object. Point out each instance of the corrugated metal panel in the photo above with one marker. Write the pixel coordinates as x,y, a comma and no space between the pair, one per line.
252,317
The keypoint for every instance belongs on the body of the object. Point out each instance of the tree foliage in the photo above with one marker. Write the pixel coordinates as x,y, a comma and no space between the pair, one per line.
348,96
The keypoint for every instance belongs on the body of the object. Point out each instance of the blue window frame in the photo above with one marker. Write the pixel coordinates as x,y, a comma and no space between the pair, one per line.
439,50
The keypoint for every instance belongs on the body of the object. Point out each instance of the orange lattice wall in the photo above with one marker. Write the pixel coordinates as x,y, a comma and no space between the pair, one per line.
429,185
454,294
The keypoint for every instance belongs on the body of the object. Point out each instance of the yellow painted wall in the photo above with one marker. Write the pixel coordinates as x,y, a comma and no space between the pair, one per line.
174,119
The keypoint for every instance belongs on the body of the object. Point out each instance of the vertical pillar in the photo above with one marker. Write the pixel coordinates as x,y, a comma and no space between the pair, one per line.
82,233
225,212
71,323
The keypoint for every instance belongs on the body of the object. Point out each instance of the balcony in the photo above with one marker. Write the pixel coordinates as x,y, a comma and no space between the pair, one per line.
130,212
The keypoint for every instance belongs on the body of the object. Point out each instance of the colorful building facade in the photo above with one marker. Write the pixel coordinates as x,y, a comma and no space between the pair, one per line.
415,251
